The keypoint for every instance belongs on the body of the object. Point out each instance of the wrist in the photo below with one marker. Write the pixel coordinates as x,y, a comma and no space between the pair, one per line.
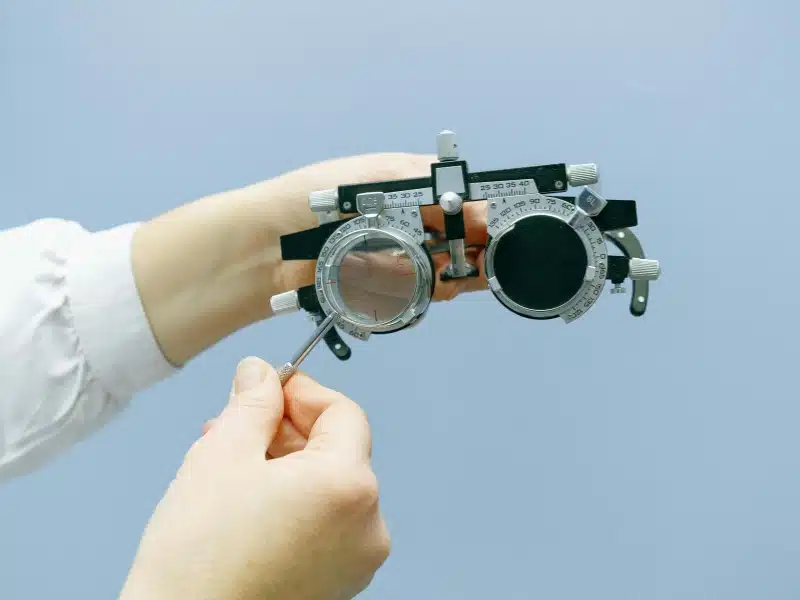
274,210
209,268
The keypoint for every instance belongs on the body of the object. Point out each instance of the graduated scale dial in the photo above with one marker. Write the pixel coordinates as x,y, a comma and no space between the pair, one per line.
375,272
546,254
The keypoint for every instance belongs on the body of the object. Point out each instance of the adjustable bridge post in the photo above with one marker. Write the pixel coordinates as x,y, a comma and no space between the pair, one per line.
450,191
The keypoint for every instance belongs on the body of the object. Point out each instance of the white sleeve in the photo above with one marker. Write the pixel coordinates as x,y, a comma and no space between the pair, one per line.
75,343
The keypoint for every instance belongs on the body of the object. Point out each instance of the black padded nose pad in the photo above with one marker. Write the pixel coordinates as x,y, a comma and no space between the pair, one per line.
306,245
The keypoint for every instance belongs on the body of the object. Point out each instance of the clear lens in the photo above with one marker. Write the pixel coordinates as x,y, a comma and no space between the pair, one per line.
377,280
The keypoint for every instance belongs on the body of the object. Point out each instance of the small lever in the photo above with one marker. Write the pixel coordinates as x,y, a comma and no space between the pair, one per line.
641,271
334,341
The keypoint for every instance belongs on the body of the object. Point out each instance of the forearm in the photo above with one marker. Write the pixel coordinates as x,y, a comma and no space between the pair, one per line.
208,268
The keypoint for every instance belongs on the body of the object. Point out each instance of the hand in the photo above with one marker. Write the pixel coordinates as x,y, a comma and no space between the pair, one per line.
293,189
236,526
210,267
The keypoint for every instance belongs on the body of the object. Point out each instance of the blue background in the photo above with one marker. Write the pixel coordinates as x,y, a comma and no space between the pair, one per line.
615,458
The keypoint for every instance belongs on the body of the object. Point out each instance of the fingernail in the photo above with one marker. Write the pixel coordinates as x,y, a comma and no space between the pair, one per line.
248,374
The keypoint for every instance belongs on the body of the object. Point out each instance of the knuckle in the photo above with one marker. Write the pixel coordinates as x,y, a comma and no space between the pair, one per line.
192,453
358,490
382,548
393,165
377,554
353,406
334,395
364,487
194,456
377,548
343,402
450,291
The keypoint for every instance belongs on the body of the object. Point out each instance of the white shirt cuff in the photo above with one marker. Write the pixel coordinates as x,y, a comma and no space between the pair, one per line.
110,321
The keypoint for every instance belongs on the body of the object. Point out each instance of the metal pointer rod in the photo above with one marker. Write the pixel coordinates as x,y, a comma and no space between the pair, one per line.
289,369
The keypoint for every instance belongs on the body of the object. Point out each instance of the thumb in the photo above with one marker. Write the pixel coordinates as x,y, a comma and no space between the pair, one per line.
255,409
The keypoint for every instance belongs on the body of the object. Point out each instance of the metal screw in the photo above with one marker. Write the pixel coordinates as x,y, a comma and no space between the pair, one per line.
493,204
559,185
413,213
347,206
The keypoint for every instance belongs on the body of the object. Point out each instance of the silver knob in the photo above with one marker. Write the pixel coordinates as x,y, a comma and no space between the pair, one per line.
585,174
451,203
285,303
446,146
324,200
644,269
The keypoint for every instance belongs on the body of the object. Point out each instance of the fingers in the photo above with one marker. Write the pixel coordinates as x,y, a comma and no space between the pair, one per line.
254,412
378,281
329,420
304,402
448,290
342,429
386,295
287,440
369,168
388,166
476,235
477,257
382,272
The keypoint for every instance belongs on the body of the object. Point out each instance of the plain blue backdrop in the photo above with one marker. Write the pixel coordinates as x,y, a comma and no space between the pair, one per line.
614,458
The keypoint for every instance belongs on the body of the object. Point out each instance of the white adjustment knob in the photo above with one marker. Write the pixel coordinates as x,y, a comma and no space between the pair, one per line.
644,269
324,201
585,174
451,203
284,303
446,146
